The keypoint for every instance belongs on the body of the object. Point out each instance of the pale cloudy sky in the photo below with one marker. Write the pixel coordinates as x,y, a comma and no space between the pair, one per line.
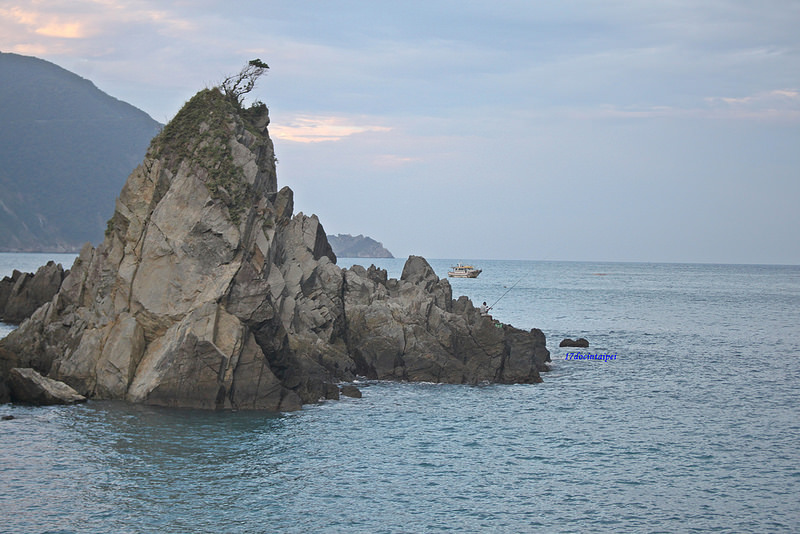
629,130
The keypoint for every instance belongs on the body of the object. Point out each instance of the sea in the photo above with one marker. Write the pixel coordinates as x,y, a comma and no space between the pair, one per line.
693,426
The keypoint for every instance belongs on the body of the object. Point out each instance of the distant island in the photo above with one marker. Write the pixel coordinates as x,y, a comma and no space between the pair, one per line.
348,246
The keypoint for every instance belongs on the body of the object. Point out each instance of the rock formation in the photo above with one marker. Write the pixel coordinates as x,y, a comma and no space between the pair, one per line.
208,292
21,293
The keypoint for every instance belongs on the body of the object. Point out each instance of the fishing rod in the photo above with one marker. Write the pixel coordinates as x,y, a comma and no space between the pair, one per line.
507,290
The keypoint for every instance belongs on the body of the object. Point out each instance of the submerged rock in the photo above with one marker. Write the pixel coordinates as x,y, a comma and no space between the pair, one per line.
209,293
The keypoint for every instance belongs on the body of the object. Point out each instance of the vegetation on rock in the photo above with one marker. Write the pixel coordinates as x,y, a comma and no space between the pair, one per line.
238,85
200,134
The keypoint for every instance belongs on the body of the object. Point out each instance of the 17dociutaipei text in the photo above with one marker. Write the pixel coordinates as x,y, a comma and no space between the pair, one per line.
588,356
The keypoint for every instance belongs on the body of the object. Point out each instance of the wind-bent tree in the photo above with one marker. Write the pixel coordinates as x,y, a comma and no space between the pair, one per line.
238,85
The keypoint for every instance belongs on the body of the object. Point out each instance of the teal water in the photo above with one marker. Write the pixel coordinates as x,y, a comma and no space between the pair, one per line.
693,428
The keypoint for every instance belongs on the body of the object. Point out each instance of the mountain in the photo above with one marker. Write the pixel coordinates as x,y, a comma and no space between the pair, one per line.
66,149
347,246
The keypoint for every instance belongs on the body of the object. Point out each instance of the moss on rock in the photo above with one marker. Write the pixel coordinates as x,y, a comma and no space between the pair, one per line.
200,134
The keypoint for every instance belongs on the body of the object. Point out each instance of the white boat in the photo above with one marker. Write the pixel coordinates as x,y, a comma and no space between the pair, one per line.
464,271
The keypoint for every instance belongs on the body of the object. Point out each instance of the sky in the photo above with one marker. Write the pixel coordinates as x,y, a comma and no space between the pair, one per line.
581,130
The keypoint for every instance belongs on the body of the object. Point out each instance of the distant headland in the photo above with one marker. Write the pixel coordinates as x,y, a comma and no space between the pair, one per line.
348,246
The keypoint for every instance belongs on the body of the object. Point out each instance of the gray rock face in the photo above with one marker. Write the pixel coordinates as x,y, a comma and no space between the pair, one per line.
411,329
208,292
27,385
21,293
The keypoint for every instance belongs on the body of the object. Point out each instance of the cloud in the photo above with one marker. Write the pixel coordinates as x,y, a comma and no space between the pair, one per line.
777,104
393,160
317,129
778,95
62,26
19,15
417,58
88,20
64,30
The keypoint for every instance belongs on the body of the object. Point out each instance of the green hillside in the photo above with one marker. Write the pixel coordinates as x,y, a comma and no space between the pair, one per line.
66,149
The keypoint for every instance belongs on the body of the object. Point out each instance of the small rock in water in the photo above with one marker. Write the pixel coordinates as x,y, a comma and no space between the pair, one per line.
351,391
580,343
7,417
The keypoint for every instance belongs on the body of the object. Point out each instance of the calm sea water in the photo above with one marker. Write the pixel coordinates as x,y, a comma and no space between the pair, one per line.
695,427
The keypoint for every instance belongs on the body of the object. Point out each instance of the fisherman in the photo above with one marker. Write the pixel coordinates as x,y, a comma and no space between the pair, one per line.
484,309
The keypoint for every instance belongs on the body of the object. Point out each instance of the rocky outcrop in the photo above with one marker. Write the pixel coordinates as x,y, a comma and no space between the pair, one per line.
348,246
21,293
578,343
411,329
208,292
28,386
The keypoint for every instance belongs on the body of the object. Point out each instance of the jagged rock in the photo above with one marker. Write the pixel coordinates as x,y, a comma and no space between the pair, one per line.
22,293
579,343
29,386
410,329
207,292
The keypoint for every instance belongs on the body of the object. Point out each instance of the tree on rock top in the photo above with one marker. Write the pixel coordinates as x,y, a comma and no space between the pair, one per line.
238,85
